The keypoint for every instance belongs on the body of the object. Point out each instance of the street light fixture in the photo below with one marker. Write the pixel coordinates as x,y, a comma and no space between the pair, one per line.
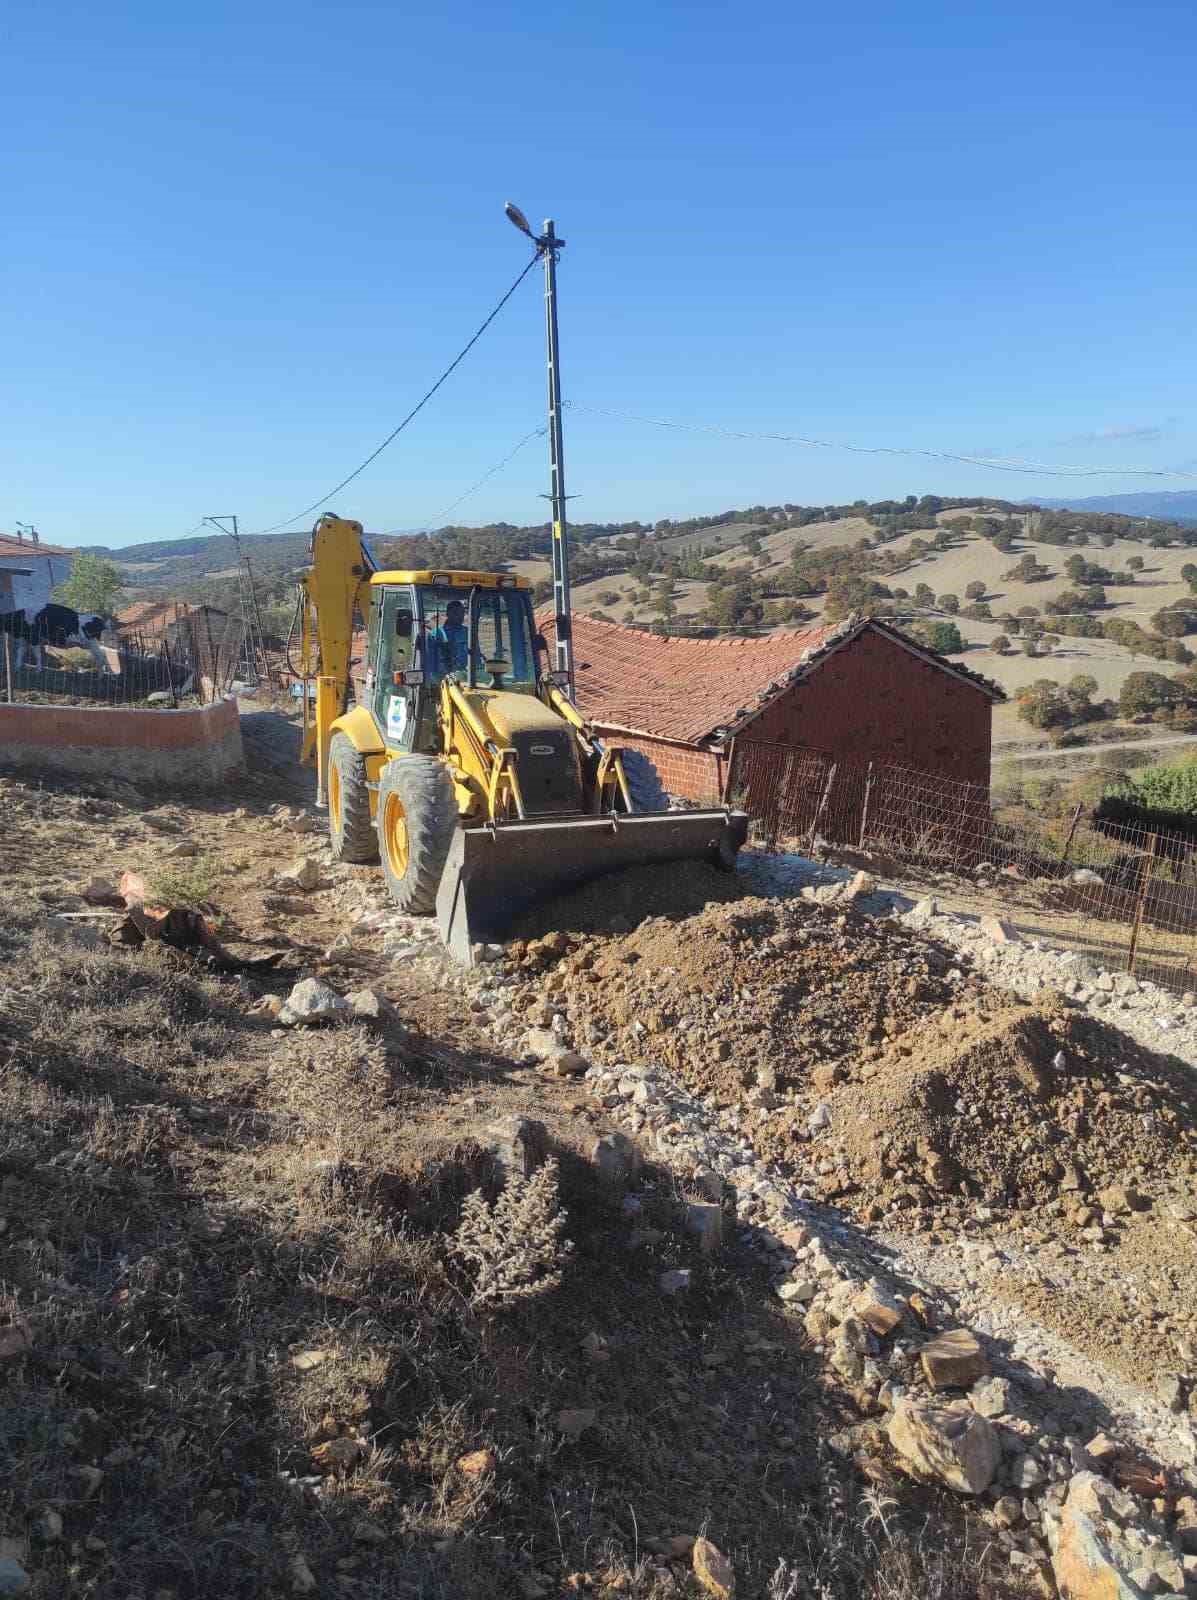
517,218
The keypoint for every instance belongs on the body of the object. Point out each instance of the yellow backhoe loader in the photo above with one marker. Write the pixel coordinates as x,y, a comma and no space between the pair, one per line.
462,765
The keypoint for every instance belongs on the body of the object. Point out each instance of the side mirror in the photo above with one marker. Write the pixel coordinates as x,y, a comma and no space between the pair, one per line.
403,624
540,643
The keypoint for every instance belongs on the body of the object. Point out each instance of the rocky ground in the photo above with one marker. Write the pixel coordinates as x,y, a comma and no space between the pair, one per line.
1001,1158
883,1271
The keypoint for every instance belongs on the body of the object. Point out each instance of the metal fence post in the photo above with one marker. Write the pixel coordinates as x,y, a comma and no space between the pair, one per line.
814,827
170,674
8,665
864,813
1144,881
1076,817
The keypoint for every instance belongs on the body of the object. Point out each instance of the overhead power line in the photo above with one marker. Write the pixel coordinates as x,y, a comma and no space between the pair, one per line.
993,463
537,433
415,410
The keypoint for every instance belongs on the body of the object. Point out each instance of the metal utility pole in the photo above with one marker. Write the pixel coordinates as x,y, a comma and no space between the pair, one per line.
252,656
547,247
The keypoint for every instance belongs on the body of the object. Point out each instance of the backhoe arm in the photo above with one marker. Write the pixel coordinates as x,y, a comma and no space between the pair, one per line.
335,586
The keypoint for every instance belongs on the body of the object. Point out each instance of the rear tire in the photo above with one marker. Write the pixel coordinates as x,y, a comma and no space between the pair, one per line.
417,818
350,826
644,782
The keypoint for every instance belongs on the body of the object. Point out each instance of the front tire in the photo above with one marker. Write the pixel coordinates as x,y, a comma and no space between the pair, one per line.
350,826
417,818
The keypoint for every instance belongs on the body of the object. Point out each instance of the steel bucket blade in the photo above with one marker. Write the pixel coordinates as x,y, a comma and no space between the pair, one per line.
493,875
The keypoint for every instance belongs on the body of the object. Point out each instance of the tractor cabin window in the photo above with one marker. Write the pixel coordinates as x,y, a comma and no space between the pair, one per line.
502,632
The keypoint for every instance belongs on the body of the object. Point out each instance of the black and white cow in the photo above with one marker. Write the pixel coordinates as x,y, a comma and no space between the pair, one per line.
53,625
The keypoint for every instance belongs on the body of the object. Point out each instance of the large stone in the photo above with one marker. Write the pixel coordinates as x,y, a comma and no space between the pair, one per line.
993,1397
954,1360
565,1063
313,1001
1091,1560
958,1448
370,1005
518,1144
878,1309
302,874
997,931
541,1043
858,886
713,1570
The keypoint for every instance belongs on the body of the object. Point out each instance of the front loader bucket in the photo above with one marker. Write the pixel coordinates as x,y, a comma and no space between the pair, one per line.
493,875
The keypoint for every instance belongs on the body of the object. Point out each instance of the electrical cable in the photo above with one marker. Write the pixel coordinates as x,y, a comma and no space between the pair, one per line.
415,410
537,433
993,463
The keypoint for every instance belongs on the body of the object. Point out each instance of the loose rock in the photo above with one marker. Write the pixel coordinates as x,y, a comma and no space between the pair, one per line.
958,1448
312,1001
953,1360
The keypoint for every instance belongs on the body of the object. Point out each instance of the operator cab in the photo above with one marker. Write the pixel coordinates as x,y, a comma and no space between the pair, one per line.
476,628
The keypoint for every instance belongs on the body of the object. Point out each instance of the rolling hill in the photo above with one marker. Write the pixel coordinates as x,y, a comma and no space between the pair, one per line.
1174,505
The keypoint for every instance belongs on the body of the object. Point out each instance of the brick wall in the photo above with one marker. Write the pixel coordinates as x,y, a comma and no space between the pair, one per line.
199,748
875,701
692,774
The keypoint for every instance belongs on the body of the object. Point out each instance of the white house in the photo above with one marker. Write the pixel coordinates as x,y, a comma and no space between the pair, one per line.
29,571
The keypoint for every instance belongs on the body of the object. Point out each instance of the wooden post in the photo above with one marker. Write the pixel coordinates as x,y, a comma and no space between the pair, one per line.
864,815
814,827
1144,881
170,673
1076,817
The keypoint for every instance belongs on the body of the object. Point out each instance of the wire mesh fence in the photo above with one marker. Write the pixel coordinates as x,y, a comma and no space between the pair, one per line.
194,658
1125,893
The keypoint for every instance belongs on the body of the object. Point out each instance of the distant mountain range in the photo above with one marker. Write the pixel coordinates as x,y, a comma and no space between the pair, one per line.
1174,505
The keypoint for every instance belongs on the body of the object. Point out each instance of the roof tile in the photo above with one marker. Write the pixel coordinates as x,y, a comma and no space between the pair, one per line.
685,689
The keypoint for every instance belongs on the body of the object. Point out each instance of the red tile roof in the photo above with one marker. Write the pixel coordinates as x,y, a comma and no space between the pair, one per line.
12,546
152,616
686,689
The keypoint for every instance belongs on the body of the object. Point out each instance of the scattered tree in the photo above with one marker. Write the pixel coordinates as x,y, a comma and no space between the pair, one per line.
94,585
1146,692
941,636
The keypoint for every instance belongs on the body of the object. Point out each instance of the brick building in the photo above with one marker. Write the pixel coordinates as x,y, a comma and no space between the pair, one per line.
859,690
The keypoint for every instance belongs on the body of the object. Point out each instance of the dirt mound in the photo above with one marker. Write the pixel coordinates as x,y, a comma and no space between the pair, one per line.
616,904
869,1068
753,988
1015,1103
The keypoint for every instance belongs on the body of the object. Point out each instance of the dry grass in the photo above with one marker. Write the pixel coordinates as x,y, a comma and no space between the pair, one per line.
234,1254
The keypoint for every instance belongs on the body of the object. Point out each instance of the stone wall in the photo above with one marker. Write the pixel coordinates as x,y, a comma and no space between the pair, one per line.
196,748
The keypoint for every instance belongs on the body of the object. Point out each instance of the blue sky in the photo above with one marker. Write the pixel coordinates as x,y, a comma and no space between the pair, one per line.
242,239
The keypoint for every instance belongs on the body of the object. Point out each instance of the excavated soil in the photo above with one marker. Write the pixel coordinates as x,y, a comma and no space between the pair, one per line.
868,1066
616,904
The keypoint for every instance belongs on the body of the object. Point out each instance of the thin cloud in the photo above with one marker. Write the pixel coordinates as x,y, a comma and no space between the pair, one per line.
1120,432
